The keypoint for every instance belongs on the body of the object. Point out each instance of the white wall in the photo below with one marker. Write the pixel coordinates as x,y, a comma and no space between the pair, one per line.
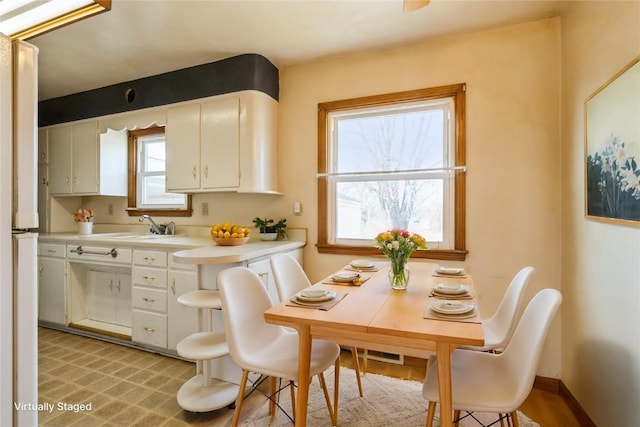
600,262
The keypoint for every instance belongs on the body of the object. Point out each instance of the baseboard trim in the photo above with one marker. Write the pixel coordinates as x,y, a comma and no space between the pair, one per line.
554,385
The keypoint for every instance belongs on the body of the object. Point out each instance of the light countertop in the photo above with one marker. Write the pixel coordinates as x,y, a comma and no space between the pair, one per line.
191,249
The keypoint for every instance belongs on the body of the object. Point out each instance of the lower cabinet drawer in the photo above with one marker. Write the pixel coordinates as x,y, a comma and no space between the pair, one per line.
149,299
155,277
149,328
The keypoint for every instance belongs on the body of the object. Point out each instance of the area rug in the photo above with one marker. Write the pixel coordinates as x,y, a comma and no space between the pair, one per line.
387,402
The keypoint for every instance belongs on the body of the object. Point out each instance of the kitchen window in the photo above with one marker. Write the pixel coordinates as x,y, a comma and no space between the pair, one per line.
393,161
147,177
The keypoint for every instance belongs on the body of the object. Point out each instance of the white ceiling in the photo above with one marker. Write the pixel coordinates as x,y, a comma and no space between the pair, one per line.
140,38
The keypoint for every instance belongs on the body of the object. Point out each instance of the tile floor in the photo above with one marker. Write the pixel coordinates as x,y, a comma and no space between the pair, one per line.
125,386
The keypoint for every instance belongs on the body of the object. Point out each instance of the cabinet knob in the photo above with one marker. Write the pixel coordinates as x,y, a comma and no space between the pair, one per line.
41,269
263,274
51,251
151,300
173,286
111,284
149,259
193,172
149,329
206,171
75,179
148,277
119,285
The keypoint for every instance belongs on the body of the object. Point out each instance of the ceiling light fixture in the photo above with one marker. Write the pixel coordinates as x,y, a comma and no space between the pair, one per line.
24,19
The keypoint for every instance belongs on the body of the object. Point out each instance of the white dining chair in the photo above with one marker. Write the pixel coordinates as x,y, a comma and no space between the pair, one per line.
290,279
498,328
497,382
256,346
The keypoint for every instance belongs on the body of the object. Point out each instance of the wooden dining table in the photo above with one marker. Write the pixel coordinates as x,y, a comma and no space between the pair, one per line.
376,317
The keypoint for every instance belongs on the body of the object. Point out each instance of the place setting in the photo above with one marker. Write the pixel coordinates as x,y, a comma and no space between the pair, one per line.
315,297
450,291
363,265
347,278
452,310
451,272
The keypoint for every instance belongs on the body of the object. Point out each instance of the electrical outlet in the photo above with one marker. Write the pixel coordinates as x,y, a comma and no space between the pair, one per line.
110,209
204,209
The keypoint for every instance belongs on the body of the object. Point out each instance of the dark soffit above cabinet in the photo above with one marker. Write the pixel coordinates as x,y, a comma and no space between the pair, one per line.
242,72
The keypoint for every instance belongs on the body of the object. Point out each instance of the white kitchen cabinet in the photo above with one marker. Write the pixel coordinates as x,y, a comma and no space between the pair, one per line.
109,297
149,299
52,275
263,270
84,162
222,143
203,145
182,320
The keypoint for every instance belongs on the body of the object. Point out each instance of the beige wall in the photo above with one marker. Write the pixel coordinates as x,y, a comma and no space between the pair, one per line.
513,193
600,262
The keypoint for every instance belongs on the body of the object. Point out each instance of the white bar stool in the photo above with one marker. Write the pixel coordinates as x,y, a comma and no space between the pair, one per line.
202,393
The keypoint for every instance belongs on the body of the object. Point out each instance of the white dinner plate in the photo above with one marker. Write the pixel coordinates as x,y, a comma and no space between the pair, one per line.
451,271
345,276
329,295
467,315
450,288
313,293
451,307
361,263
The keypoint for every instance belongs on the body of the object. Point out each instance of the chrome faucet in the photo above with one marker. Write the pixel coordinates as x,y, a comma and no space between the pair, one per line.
155,229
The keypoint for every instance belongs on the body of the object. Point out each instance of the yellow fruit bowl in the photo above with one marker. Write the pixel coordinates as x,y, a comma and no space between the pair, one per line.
230,241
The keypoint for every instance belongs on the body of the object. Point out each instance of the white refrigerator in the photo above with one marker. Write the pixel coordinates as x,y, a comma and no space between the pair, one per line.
18,246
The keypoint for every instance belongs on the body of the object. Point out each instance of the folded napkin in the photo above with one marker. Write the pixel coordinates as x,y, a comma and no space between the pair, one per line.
449,276
355,282
324,305
376,267
466,296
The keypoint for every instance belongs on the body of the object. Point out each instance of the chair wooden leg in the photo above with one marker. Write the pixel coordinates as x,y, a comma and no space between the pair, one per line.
356,367
336,389
323,384
502,418
272,395
243,384
456,418
431,412
293,397
514,419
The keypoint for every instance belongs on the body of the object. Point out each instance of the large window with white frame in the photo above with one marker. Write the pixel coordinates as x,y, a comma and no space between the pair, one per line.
393,161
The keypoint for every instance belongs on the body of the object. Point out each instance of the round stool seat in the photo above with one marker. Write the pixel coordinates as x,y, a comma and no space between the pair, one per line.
203,346
201,298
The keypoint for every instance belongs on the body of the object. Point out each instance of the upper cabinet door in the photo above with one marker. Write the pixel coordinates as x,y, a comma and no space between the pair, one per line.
182,145
220,144
85,158
60,160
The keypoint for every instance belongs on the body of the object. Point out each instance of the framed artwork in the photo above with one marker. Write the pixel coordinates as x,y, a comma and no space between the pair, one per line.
612,149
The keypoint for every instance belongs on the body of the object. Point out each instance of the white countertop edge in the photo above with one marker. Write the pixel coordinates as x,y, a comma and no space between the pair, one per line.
228,254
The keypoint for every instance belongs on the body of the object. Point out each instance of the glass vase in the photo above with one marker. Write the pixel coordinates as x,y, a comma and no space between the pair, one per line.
399,275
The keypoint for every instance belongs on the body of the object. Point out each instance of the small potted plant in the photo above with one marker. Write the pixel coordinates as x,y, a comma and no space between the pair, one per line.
269,229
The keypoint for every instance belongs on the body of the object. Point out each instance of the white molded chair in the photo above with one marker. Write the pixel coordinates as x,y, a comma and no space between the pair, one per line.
490,382
256,346
290,279
499,327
